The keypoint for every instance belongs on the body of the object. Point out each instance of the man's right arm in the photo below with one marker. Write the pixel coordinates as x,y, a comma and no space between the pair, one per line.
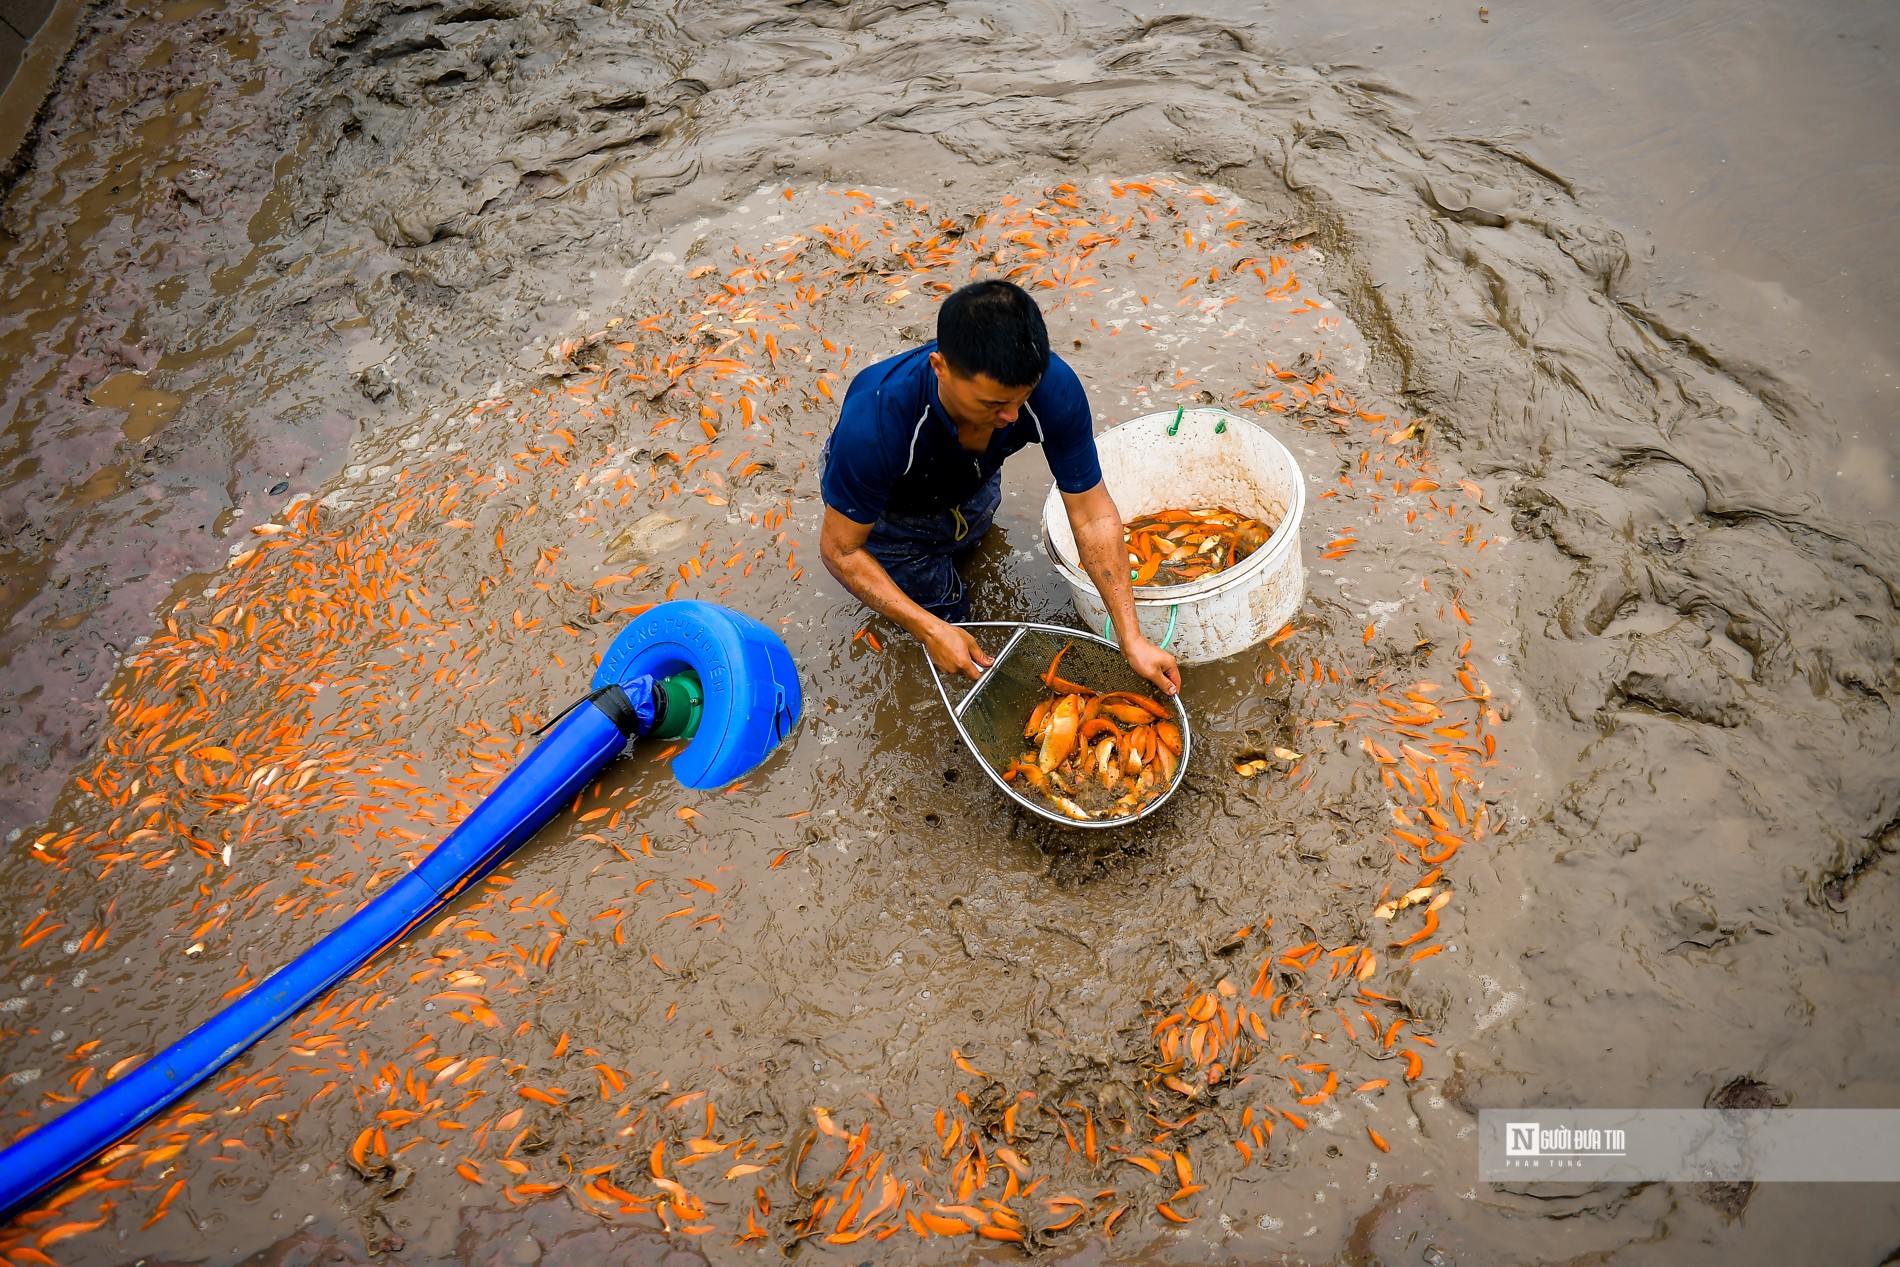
841,546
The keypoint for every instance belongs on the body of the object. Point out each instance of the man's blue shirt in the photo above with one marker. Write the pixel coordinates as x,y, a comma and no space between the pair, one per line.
895,446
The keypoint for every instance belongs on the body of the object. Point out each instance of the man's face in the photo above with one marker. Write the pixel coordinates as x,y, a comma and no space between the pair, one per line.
977,399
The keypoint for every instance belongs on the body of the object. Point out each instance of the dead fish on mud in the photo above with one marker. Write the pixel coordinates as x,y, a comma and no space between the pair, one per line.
647,537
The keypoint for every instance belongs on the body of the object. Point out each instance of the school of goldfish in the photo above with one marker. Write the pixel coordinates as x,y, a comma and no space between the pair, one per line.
1173,547
1098,755
297,734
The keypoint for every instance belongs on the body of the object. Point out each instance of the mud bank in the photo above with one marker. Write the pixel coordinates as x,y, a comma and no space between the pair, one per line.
1585,586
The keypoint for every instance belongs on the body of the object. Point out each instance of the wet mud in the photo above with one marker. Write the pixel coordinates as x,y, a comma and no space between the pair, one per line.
498,322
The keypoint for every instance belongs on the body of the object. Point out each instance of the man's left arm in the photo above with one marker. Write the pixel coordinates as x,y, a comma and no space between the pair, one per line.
1103,548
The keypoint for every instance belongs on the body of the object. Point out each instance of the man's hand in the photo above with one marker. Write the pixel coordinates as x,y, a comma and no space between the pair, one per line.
841,546
953,650
1152,663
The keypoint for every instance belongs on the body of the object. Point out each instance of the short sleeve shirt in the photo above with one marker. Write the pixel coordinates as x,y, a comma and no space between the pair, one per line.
896,448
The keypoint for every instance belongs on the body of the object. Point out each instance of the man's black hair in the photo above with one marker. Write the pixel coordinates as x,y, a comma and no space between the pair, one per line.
994,328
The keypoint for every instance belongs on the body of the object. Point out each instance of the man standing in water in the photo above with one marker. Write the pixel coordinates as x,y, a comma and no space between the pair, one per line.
913,473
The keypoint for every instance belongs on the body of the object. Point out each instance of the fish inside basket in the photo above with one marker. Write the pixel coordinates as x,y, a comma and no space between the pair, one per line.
991,713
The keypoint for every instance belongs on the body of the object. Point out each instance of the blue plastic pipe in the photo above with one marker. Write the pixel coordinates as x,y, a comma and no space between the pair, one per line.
576,749
744,702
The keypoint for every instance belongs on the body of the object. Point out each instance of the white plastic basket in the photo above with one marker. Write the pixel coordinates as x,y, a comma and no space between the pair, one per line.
1180,459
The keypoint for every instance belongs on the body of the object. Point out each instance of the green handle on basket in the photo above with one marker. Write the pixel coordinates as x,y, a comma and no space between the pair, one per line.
1174,614
1174,428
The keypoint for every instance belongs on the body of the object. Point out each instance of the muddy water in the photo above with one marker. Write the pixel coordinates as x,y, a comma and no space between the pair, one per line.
1669,586
1742,149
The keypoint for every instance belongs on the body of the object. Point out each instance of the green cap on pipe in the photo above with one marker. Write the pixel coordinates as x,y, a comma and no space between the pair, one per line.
685,704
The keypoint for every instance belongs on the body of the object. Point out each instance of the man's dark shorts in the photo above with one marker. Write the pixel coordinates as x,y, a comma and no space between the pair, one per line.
922,552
